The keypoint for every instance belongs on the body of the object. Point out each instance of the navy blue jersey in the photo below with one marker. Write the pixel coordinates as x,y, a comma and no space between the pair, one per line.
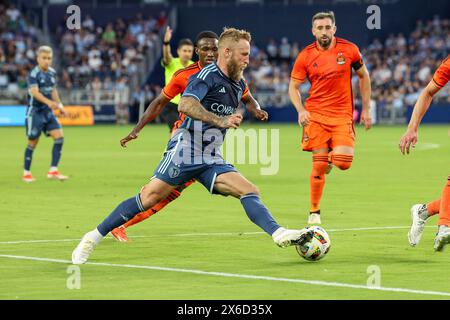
216,92
45,81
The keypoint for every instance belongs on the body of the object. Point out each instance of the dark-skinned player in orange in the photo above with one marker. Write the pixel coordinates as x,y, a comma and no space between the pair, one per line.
206,47
421,212
327,115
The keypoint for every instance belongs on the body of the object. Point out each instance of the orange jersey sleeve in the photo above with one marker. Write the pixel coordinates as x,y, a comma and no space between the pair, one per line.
299,70
442,74
179,81
329,72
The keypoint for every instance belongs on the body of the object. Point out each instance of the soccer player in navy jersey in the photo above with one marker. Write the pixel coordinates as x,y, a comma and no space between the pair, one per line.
209,102
43,100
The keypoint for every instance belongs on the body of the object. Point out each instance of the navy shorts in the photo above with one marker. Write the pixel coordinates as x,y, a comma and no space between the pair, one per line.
178,174
38,121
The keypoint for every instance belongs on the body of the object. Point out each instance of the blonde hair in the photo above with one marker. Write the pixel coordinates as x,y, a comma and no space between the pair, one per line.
324,15
234,35
45,49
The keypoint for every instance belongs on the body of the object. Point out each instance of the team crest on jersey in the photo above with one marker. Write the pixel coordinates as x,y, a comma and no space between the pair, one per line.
174,172
340,58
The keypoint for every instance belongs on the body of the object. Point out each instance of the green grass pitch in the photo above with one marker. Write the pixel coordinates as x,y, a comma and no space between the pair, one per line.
203,246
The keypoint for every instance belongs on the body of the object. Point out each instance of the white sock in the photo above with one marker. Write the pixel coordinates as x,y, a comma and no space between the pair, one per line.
95,235
52,169
25,172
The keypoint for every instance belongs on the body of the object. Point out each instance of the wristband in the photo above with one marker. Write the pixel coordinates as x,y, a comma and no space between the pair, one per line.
166,43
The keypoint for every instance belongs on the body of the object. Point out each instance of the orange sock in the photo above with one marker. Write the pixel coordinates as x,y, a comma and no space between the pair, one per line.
444,210
157,207
317,179
433,207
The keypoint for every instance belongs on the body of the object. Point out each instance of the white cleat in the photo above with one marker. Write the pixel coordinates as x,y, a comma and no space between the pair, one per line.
442,238
81,253
286,237
418,224
314,218
56,175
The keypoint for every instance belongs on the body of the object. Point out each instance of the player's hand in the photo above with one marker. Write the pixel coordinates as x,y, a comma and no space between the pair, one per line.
168,34
261,115
408,141
231,121
366,119
303,118
54,105
61,109
131,136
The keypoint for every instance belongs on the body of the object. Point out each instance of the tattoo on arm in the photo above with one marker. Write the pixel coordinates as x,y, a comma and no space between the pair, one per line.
194,109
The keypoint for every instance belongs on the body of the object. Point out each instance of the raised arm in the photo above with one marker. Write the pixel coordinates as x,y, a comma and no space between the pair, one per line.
194,109
167,54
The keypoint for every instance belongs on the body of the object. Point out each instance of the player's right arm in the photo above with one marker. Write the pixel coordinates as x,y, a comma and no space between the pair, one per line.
192,107
420,108
298,76
153,110
167,54
296,99
34,91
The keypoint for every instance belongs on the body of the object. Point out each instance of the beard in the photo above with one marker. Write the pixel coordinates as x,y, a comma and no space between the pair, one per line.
234,71
324,44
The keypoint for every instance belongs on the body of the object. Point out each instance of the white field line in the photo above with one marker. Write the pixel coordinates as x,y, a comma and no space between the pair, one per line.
241,276
208,234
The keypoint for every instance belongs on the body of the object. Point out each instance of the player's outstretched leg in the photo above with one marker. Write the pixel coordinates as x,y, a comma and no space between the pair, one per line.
232,183
120,234
152,193
443,235
58,139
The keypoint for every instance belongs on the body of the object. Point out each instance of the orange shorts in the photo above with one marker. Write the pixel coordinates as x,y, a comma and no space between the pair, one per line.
318,136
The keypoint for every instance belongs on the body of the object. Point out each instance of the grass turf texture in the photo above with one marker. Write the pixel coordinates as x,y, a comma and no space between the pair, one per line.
377,191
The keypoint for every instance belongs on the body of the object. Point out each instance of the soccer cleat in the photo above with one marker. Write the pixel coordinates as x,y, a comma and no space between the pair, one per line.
418,224
285,237
28,178
56,175
314,218
81,253
120,234
442,238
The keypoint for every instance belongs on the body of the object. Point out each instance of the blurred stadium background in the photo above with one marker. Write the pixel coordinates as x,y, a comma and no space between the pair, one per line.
113,62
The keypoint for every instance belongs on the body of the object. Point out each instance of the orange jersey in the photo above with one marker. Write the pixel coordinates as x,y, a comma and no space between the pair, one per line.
330,98
177,85
442,74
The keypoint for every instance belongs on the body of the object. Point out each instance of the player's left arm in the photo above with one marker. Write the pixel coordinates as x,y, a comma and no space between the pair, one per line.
254,108
366,92
56,98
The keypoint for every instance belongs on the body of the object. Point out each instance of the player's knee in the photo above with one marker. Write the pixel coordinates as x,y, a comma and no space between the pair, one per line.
248,189
320,164
342,161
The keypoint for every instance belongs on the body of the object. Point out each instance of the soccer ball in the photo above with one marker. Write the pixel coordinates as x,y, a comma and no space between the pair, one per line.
317,248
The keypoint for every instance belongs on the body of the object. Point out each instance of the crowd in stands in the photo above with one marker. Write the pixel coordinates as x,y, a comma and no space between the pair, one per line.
106,53
18,44
104,57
